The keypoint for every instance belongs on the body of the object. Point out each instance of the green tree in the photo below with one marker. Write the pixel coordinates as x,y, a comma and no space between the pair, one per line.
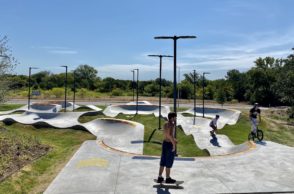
238,83
7,64
86,76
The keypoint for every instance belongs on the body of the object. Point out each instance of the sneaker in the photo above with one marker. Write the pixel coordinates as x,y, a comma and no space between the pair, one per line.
253,134
160,179
170,180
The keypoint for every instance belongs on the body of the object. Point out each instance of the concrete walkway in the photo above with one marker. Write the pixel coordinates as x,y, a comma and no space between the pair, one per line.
93,169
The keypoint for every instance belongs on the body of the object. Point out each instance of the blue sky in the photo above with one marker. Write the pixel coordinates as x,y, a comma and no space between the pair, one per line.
116,36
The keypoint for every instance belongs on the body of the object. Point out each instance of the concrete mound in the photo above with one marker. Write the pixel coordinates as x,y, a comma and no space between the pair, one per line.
114,110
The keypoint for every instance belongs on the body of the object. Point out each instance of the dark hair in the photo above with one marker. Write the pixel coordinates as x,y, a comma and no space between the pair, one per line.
171,115
217,116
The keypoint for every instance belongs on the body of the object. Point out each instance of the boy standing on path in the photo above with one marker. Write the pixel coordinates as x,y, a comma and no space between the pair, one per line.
168,149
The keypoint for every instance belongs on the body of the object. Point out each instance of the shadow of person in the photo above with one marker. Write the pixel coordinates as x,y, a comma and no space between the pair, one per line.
214,141
163,191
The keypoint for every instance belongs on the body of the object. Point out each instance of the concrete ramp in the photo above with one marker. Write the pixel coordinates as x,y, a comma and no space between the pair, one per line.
221,145
145,109
118,134
227,116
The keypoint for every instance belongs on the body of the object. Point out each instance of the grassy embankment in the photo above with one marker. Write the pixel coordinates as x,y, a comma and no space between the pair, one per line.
273,125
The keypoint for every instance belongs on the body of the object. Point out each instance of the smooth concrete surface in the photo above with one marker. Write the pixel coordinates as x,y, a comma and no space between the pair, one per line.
227,116
93,169
49,108
144,108
119,134
200,130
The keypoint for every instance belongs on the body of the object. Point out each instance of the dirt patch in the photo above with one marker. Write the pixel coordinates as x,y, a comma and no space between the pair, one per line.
17,151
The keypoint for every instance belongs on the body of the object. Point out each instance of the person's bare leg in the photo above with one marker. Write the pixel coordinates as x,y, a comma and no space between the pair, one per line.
161,168
167,171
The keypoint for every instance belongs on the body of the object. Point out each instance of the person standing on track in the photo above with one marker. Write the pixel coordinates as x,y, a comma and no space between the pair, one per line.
253,117
168,149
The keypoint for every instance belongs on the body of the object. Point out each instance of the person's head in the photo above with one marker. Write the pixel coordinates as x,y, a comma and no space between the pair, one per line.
172,116
217,116
256,105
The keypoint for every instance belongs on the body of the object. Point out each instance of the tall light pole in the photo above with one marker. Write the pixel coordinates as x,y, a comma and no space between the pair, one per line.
137,90
203,92
74,90
65,87
29,92
133,83
160,68
179,81
194,83
175,38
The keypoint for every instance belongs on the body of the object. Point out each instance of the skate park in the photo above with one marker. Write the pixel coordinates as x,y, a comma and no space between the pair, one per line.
114,162
87,89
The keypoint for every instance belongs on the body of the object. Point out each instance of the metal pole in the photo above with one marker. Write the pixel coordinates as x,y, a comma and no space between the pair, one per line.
175,76
160,84
160,67
203,92
179,81
203,95
29,93
175,72
74,92
133,83
194,96
65,83
137,90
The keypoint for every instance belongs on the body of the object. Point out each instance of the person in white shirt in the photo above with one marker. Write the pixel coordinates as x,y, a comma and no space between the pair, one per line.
213,124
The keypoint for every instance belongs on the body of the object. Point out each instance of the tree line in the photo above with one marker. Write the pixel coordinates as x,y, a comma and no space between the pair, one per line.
270,82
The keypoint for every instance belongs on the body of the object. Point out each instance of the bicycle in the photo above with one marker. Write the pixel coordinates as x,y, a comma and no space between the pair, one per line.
258,135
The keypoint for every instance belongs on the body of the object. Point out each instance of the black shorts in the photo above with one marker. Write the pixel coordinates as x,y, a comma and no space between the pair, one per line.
167,155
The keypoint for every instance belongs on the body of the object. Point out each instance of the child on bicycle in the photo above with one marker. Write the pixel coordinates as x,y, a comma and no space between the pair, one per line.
213,124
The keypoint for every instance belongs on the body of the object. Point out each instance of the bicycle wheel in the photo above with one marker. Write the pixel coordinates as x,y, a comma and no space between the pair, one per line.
259,135
251,136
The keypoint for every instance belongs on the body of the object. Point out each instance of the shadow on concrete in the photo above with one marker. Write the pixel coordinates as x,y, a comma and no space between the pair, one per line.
214,141
263,143
185,159
145,158
164,189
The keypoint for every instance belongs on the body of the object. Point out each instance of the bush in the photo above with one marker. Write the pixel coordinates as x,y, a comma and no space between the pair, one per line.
116,92
58,92
290,112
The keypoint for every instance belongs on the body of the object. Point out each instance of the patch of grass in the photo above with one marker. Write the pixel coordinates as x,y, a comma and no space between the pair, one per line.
17,150
186,145
179,109
6,107
273,131
35,177
86,118
238,133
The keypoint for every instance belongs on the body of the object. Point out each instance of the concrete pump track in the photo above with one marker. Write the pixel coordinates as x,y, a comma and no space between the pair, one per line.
114,163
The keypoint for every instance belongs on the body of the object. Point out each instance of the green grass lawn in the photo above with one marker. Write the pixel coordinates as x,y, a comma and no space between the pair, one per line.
6,107
186,145
273,131
35,177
